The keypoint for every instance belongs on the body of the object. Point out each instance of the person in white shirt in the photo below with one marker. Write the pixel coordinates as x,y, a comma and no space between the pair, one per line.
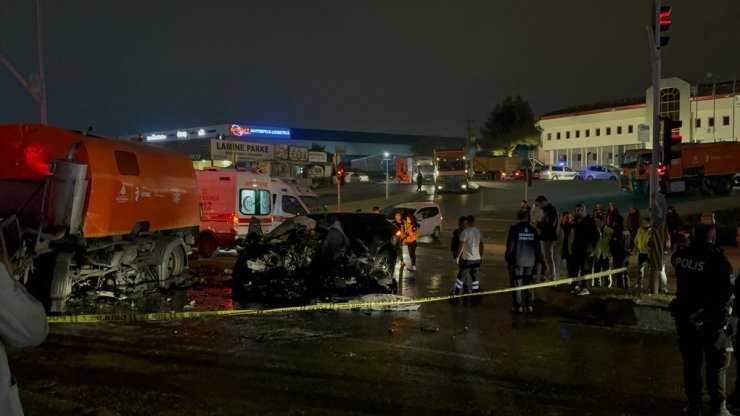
23,323
468,258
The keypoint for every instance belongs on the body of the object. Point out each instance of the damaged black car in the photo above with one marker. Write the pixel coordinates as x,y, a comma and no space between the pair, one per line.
320,255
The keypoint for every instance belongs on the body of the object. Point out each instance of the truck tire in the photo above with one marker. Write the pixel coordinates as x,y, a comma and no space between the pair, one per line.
61,281
721,185
207,246
172,261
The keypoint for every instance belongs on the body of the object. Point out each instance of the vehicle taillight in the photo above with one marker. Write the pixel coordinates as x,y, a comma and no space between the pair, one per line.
662,170
234,223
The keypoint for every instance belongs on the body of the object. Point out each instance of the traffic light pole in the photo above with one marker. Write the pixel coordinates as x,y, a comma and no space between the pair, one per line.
657,201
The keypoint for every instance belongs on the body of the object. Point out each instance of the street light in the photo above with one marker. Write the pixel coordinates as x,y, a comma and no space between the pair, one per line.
387,159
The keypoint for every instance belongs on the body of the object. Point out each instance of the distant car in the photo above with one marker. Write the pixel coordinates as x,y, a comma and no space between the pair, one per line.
558,172
358,177
517,174
303,257
600,172
427,214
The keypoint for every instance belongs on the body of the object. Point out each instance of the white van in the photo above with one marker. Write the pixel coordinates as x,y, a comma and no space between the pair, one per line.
230,199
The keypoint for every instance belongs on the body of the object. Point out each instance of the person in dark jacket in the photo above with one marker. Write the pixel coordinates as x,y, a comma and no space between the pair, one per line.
548,230
633,224
672,223
522,253
581,244
704,286
419,181
619,246
734,399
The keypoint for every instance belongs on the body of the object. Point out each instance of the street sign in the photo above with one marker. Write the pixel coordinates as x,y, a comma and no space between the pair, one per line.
336,159
643,133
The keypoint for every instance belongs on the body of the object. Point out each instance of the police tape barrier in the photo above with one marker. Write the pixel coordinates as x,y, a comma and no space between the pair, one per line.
169,316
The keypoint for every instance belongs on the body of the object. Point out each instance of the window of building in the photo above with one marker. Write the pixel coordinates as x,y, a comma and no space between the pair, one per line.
630,129
549,136
563,158
670,103
593,156
578,134
608,131
619,129
698,123
711,122
567,135
726,120
578,158
598,132
558,135
588,133
611,155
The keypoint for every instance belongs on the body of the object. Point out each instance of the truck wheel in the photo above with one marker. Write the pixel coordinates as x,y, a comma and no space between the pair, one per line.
61,281
172,261
436,233
721,185
207,246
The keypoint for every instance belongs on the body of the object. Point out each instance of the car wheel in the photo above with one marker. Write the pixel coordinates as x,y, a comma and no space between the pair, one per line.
554,177
385,261
436,233
577,178
613,178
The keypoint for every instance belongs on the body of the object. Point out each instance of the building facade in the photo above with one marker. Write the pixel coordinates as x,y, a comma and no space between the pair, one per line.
601,133
281,151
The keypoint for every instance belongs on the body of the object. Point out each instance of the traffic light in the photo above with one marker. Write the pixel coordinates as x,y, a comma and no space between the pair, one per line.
671,137
664,21
340,176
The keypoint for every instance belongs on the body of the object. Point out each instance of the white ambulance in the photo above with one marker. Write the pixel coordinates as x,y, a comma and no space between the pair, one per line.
231,198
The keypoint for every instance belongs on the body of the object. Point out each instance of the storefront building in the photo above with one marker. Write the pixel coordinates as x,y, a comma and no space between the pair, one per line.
281,151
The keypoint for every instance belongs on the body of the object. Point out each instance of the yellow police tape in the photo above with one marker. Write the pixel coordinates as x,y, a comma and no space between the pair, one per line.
168,316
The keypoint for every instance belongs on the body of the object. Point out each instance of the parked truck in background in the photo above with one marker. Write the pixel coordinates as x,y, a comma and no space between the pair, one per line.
404,169
425,165
94,213
494,167
701,166
451,171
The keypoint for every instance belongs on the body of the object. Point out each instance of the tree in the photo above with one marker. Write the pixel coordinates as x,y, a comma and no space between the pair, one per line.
511,123
315,147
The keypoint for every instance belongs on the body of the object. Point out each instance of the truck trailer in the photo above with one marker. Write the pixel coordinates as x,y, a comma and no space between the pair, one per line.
95,213
702,166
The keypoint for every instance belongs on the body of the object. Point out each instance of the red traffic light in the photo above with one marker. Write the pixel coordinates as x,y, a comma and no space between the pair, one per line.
662,170
665,13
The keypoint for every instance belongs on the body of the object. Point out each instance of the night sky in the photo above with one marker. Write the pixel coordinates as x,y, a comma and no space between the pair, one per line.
415,67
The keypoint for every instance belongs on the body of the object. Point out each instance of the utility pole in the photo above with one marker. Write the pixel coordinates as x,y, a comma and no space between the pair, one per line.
470,127
36,85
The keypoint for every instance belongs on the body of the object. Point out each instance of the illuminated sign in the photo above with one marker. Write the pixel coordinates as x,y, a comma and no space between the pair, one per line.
201,132
182,134
257,131
155,137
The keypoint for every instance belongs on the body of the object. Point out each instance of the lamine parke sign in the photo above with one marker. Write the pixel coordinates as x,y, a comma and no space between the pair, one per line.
230,149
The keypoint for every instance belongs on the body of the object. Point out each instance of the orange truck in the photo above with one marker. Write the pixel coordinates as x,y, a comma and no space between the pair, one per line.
702,166
95,213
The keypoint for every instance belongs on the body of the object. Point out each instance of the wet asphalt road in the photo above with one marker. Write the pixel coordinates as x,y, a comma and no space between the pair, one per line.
438,360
